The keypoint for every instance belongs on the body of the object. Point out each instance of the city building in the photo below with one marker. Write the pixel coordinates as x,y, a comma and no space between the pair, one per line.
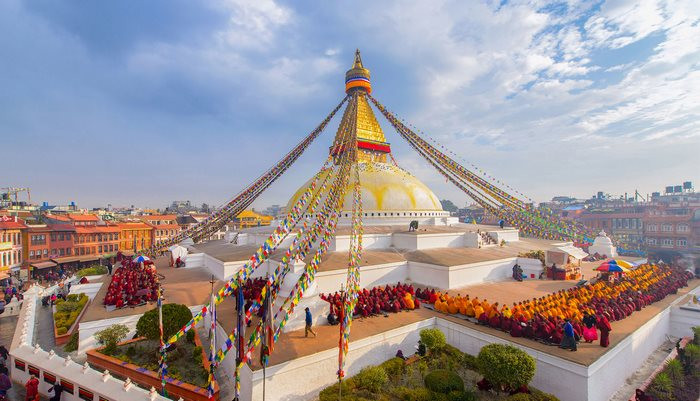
11,240
36,248
134,236
93,243
61,240
250,218
164,226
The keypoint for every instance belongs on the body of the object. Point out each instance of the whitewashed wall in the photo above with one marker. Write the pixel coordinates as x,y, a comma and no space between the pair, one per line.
99,383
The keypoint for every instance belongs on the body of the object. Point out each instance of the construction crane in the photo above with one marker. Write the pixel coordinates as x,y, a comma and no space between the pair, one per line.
8,192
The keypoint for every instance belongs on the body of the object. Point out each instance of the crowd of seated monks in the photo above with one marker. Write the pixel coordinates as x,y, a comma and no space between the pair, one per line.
590,305
132,284
378,300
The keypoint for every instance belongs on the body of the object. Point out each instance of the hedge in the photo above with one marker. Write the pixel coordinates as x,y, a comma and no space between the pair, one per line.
67,312
94,270
443,381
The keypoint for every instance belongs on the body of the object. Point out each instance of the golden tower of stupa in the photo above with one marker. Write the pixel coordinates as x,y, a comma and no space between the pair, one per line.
390,194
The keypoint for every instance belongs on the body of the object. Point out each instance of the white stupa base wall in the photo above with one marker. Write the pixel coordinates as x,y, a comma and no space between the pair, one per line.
567,380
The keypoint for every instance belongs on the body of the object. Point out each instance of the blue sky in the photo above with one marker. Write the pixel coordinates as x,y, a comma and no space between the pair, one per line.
132,102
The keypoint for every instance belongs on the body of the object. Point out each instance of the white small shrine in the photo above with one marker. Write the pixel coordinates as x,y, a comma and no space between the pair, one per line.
602,245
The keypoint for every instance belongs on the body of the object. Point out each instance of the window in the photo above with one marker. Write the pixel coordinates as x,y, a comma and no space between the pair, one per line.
67,251
53,237
682,228
682,242
651,227
666,228
99,249
667,242
31,254
651,241
61,251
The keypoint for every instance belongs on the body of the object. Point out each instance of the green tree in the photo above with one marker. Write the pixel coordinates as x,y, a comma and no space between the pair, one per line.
434,339
175,316
110,336
505,366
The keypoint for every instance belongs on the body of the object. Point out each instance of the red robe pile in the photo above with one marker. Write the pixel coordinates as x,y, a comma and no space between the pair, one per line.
378,300
132,284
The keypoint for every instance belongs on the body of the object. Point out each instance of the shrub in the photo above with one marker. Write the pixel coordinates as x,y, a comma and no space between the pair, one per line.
537,395
394,367
696,335
462,396
443,381
674,369
174,317
520,397
110,336
505,366
434,339
72,344
661,387
471,362
330,393
197,353
371,378
406,394
61,331
130,351
94,270
190,336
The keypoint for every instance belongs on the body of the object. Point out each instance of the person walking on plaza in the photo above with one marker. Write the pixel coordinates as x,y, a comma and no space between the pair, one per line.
309,321
55,392
569,339
5,382
32,389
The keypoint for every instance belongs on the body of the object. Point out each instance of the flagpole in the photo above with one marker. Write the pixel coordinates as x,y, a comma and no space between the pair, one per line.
162,344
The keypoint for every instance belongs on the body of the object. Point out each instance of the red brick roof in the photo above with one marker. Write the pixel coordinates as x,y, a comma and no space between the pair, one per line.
83,217
12,224
61,227
159,217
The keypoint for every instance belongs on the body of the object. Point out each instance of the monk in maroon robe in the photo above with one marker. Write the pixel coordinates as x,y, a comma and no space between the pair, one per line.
605,328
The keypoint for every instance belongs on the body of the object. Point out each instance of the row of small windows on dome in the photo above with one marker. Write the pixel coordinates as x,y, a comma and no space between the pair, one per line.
397,214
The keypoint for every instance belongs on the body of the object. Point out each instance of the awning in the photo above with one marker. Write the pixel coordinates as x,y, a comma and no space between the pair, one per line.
44,265
67,259
4,275
89,258
577,253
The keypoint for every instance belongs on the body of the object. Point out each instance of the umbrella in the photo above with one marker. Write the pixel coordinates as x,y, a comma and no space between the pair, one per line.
623,263
141,259
611,267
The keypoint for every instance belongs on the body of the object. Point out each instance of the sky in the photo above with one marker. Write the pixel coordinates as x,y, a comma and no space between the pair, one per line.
131,102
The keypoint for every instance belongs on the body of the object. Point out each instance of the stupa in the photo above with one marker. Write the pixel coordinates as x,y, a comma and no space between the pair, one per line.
602,245
390,194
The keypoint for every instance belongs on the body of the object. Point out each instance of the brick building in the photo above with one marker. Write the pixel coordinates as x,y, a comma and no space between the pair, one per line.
135,236
36,248
164,226
61,240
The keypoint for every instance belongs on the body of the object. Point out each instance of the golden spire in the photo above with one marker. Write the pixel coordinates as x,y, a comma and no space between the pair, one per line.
358,60
358,76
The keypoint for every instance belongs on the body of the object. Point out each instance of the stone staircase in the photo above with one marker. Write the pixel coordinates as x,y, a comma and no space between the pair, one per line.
486,239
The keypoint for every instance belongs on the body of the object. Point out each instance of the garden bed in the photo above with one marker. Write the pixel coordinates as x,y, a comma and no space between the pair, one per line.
138,359
678,379
67,315
443,374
